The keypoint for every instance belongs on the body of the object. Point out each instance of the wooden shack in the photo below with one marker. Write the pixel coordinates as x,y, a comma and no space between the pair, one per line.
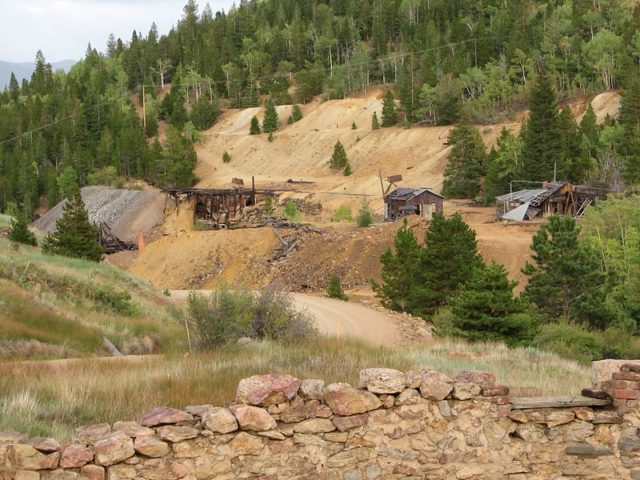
403,202
217,208
552,198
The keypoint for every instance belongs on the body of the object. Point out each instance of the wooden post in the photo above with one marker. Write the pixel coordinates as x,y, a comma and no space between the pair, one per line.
253,187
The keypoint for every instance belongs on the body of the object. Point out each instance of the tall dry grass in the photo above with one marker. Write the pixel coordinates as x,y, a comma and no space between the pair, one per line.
53,398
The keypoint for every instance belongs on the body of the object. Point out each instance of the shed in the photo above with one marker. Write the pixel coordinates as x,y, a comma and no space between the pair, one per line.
554,197
412,201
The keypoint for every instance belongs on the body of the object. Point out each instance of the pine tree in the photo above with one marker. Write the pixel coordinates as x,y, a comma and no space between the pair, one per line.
485,308
462,177
347,171
502,165
335,289
570,142
566,280
204,112
74,236
375,124
447,262
389,115
339,158
254,129
399,271
542,153
296,113
19,231
270,122
630,120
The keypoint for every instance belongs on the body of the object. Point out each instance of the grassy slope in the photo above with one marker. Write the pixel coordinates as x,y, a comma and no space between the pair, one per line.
53,398
71,304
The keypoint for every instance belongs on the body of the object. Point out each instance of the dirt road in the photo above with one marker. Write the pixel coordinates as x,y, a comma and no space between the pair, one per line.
341,319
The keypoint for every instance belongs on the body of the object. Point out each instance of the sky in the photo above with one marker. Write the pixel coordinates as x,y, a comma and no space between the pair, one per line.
62,29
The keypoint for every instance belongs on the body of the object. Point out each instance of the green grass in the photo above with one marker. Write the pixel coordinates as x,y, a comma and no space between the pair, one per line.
5,220
53,398
74,303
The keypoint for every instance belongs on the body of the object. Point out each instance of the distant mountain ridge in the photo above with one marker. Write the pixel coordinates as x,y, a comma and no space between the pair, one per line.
25,69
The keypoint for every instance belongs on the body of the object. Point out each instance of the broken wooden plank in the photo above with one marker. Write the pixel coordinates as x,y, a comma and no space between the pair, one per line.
523,403
284,244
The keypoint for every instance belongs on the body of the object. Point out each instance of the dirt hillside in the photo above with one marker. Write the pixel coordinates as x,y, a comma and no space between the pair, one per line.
185,259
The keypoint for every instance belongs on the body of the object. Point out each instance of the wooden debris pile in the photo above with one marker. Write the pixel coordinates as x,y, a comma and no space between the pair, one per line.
110,243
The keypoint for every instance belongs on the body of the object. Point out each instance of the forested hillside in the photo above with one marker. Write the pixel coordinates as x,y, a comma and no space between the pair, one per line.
444,57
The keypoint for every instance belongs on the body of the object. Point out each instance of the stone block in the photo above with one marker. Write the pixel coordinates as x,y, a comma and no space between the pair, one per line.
347,423
132,429
382,380
253,419
114,448
314,425
264,390
586,450
603,370
151,446
311,389
435,385
165,416
220,420
175,433
90,434
92,472
75,456
25,457
345,400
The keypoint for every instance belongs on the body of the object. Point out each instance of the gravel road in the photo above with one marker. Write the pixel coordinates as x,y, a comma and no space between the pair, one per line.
341,319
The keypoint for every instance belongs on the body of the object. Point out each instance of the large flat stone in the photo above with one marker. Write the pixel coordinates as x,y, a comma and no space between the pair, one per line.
345,400
382,380
75,456
114,448
165,416
264,390
253,419
26,457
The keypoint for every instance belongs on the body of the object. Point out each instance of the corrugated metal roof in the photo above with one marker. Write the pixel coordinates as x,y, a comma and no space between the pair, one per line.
522,196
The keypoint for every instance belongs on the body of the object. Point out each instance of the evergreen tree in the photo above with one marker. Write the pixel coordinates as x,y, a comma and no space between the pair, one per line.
270,122
630,120
74,236
335,289
254,129
446,263
296,113
354,126
462,177
204,113
375,124
485,309
399,271
389,115
571,142
19,231
339,158
347,171
542,153
566,280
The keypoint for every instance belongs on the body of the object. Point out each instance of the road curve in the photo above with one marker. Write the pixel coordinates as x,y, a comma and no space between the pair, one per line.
340,319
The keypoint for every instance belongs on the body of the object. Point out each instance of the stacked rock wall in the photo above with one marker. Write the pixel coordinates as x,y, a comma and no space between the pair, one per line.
418,425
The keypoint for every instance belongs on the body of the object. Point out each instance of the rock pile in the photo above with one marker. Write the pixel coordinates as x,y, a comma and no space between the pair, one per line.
415,425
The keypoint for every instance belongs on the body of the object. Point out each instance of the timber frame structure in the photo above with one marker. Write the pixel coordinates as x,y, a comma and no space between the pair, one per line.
217,208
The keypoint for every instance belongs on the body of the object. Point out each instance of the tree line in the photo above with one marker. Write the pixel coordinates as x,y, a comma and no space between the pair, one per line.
582,297
61,129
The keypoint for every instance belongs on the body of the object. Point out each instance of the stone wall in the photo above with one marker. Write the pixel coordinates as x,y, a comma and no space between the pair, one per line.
418,425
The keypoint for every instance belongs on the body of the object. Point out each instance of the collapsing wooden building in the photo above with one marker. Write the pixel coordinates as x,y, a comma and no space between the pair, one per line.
216,208
551,198
412,201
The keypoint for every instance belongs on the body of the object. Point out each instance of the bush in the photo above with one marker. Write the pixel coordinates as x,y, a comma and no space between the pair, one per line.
226,157
104,176
342,214
365,215
291,211
108,298
224,316
335,289
268,208
570,341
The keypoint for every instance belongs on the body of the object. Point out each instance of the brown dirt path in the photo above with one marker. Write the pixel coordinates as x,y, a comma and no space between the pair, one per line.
341,319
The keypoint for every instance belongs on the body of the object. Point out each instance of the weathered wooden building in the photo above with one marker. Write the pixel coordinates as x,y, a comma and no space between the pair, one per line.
412,201
218,208
553,197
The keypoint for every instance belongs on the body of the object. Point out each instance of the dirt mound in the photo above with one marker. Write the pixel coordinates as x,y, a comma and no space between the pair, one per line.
128,212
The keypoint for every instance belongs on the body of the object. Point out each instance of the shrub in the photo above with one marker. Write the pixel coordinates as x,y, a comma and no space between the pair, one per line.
342,214
268,208
347,171
107,298
571,341
354,126
335,289
224,316
296,113
254,128
291,210
226,157
104,176
365,215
